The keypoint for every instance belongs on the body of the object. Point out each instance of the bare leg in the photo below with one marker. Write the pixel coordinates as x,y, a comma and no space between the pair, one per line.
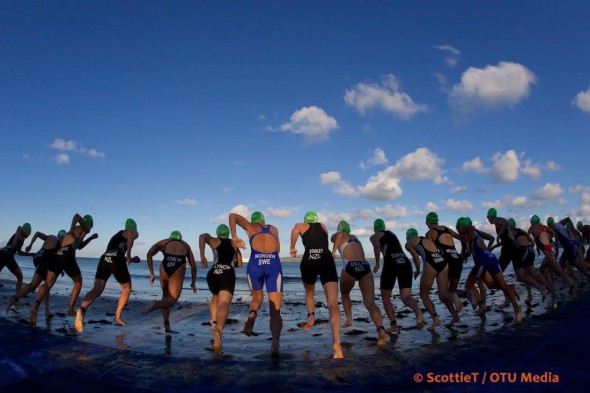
499,278
346,285
331,290
25,290
223,301
408,300
255,303
426,282
123,298
367,286
310,305
43,291
275,300
94,293
389,309
213,313
442,282
75,293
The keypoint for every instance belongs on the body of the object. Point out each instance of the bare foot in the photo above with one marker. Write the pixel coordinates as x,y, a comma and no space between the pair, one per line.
435,322
310,322
518,316
119,321
212,326
149,308
458,302
71,312
167,327
33,315
483,309
346,324
11,301
420,324
48,314
337,351
79,322
394,329
454,320
274,349
382,340
217,340
249,326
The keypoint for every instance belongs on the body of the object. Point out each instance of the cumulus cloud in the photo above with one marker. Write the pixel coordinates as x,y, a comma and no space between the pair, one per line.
505,167
492,87
63,145
552,166
520,201
458,206
387,96
458,189
452,55
383,185
432,207
279,212
378,158
548,191
312,122
339,186
62,158
582,101
391,212
474,165
532,170
187,201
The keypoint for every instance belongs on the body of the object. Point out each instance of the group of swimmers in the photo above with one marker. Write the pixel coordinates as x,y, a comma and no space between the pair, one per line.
441,261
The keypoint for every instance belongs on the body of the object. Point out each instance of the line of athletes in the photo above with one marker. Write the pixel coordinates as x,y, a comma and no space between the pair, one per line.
441,261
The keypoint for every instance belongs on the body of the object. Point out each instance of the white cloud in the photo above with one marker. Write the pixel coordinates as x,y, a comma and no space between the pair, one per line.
432,207
520,201
505,167
312,122
187,201
458,206
492,87
582,100
378,158
421,164
458,189
532,170
63,158
496,204
383,185
279,212
387,97
548,191
242,210
552,166
340,186
452,57
391,212
63,145
474,165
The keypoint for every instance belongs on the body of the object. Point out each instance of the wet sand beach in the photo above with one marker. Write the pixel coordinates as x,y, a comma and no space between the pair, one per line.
549,344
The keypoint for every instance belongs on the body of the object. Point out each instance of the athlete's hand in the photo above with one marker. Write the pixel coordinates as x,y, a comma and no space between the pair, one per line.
376,268
204,262
293,252
28,249
152,278
416,274
240,243
194,286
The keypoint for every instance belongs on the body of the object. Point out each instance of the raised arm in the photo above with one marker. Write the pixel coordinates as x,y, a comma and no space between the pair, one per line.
204,238
235,218
39,235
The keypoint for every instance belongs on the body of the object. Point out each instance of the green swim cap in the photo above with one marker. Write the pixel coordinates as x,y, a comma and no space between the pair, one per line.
27,227
535,219
257,217
410,233
492,213
88,219
468,221
176,235
61,234
310,217
343,227
222,231
379,225
511,223
580,225
550,221
432,218
130,225
462,222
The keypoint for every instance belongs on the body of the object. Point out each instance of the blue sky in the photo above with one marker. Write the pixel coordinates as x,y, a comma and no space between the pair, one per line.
178,113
